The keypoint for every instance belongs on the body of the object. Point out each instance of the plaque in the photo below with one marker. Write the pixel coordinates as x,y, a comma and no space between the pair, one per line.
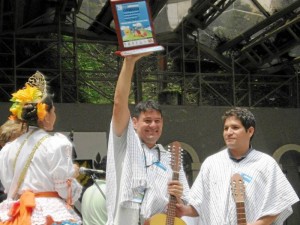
134,27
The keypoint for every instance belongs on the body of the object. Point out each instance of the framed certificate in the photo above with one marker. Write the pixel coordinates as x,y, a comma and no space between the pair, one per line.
134,27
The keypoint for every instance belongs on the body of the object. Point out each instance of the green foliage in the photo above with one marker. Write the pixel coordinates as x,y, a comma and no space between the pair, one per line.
97,70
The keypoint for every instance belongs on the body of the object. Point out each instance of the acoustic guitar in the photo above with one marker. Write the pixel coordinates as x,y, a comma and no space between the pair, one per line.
170,217
238,192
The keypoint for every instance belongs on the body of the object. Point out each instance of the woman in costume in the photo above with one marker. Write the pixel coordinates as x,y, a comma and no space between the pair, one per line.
36,169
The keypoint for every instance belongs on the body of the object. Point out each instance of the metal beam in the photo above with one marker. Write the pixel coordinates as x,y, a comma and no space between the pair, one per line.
246,36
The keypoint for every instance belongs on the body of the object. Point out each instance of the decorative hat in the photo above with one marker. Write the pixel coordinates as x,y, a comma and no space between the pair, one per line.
34,92
38,80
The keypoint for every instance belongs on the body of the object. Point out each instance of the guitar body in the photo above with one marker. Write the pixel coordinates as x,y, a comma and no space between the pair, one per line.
161,219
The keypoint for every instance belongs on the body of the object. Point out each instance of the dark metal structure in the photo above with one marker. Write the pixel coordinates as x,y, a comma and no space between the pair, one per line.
255,64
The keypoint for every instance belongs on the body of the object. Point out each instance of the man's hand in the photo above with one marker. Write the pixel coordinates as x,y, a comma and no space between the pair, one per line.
175,188
136,57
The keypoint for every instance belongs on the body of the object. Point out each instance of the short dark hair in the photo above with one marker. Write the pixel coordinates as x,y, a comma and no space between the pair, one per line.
244,115
146,106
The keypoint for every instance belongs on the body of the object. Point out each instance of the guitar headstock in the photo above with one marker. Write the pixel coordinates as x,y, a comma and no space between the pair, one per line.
175,150
238,188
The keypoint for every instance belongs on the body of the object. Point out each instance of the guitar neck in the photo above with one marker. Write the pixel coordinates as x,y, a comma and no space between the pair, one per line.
238,193
241,214
171,211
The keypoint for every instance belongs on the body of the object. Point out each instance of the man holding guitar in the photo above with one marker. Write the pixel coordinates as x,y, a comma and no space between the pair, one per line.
139,175
267,196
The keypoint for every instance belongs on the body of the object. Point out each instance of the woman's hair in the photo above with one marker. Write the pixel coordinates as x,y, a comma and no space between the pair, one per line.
30,111
10,130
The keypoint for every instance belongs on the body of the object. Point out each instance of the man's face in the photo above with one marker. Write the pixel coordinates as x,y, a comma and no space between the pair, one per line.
149,126
235,135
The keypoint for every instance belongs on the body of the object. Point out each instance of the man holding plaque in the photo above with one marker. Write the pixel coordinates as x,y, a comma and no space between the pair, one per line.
139,175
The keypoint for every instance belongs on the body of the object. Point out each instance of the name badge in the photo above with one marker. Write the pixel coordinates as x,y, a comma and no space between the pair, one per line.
246,177
160,165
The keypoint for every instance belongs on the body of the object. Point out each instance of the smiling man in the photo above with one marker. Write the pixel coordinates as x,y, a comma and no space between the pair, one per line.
139,175
268,196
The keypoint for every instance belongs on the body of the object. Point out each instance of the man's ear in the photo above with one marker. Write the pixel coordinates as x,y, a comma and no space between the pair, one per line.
251,131
134,120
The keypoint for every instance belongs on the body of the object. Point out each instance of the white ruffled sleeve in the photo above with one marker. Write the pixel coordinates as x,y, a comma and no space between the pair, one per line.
62,169
6,172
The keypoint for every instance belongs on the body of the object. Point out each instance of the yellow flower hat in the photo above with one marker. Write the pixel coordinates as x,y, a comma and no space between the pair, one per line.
28,94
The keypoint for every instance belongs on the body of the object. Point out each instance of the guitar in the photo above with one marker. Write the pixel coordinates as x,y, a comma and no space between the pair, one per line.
238,192
169,218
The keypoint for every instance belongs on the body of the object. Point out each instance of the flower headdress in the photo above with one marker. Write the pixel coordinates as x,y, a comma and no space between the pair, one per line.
35,91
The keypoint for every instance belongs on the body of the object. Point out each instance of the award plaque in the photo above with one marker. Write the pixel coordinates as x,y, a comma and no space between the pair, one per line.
134,27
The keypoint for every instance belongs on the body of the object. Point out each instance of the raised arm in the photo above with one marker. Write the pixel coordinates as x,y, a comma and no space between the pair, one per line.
121,113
